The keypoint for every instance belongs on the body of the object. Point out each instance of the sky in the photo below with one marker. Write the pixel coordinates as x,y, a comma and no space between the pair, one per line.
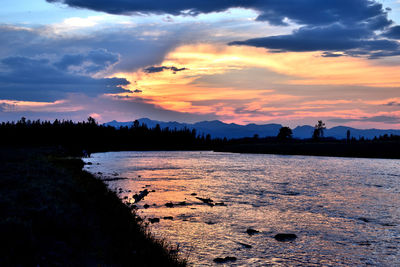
291,62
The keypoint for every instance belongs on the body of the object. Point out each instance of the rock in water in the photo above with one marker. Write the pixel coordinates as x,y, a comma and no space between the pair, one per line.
205,200
224,260
219,260
245,245
292,193
364,243
285,237
141,195
169,205
364,219
252,231
154,220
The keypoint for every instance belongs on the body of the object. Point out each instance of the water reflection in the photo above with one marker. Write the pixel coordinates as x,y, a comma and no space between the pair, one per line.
344,211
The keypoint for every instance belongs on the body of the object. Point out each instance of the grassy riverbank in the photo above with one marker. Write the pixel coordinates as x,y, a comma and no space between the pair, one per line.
54,214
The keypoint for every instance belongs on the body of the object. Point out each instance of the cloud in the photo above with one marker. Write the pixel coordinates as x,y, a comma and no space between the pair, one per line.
88,63
49,65
6,107
276,12
379,119
330,54
355,39
392,103
393,32
154,69
38,79
78,107
341,25
122,48
334,37
171,7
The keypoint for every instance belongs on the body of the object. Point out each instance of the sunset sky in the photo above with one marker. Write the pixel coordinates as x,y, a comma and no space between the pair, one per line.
291,62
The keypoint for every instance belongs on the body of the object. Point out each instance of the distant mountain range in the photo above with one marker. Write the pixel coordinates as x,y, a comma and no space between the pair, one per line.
220,129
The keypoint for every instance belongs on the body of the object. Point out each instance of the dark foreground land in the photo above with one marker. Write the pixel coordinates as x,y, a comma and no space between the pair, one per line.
54,214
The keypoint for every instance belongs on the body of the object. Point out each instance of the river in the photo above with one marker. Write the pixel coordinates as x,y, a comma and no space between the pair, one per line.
344,211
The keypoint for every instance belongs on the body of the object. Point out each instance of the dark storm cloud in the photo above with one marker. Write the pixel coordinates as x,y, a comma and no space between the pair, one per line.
382,119
352,41
135,50
354,36
173,7
30,79
393,33
334,37
49,66
154,69
327,25
311,12
335,26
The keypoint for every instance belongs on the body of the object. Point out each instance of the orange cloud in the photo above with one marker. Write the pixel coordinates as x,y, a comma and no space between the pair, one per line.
186,91
305,67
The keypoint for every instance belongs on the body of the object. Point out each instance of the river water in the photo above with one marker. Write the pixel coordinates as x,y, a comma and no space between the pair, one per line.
344,211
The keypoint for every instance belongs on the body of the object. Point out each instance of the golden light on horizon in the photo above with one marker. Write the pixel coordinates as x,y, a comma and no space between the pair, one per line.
193,90
308,67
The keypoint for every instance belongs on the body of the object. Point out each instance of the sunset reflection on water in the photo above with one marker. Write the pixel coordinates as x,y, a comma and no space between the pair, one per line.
343,210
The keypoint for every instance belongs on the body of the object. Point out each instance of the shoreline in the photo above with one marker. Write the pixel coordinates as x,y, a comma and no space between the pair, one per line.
55,213
251,152
379,150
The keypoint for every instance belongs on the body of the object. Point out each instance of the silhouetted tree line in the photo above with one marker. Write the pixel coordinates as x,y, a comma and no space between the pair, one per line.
385,146
89,135
92,137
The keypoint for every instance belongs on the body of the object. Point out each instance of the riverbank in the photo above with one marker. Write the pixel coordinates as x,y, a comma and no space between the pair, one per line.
54,214
387,150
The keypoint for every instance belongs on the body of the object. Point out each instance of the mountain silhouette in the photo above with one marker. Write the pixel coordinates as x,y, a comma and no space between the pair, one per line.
219,129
